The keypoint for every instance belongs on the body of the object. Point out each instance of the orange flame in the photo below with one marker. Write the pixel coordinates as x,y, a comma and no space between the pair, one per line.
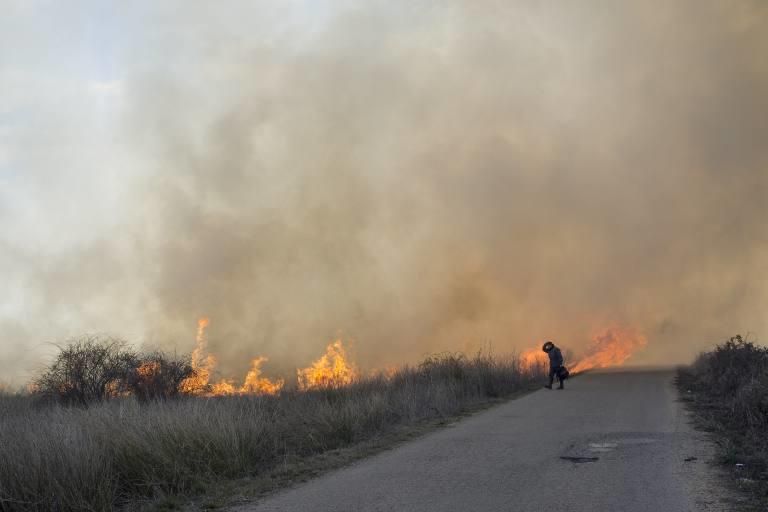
333,369
533,358
148,369
254,383
611,348
203,365
222,388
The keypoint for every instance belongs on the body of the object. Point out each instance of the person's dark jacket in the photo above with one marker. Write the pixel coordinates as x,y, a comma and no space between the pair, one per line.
555,357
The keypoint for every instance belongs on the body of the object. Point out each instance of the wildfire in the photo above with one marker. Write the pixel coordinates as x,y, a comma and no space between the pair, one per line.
333,369
204,363
611,348
255,383
533,357
222,388
148,370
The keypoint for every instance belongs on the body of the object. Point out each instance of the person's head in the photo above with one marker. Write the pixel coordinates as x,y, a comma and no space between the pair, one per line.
548,346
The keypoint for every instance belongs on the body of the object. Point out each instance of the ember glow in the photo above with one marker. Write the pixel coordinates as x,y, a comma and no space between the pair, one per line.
148,370
333,369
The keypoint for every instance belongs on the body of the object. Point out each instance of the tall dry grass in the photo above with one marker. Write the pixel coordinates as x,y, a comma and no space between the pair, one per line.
54,457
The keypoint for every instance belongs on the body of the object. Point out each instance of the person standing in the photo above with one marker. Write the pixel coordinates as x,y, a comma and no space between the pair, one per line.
555,363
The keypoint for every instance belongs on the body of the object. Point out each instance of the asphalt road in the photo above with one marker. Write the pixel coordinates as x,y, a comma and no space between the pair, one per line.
617,442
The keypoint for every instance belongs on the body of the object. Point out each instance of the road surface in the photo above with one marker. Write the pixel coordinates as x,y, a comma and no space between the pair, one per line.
617,442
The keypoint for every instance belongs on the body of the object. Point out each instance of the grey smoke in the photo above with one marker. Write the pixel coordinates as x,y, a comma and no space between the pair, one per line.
422,177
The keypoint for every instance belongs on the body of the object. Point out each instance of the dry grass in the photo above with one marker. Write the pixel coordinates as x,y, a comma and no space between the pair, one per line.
728,391
121,452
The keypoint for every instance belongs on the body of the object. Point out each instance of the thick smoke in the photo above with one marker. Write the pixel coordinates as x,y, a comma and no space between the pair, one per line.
422,177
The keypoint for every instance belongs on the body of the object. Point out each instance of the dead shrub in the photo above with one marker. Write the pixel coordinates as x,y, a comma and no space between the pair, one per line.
94,369
87,370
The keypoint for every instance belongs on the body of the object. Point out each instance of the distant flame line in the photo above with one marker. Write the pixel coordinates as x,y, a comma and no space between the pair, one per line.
611,347
203,365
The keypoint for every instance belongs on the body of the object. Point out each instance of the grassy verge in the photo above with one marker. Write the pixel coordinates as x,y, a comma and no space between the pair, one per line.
727,389
297,470
123,453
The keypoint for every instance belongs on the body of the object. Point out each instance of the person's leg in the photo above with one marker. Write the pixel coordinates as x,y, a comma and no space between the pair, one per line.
551,378
561,380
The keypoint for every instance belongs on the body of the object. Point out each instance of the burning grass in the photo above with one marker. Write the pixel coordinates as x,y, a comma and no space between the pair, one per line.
728,391
203,365
609,348
56,457
333,369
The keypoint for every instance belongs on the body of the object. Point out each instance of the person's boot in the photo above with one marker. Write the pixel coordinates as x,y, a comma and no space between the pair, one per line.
561,385
548,386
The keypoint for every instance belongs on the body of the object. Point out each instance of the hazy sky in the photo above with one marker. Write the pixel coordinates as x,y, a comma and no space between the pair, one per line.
70,165
416,175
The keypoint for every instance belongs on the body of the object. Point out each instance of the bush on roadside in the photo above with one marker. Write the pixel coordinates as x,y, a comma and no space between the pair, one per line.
87,370
92,369
728,388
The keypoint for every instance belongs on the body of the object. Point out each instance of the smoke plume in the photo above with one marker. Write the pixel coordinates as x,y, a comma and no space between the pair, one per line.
421,176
